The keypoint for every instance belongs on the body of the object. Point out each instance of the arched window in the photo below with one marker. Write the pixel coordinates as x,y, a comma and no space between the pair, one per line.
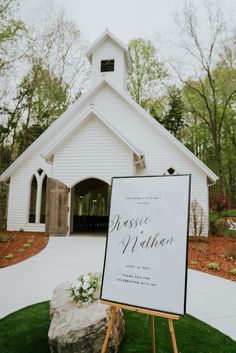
37,207
33,196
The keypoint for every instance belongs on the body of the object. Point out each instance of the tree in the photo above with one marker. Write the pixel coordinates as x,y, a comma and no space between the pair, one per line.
148,71
11,29
43,98
173,119
56,73
58,45
211,92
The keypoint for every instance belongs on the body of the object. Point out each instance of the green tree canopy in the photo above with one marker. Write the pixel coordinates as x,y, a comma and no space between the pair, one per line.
148,71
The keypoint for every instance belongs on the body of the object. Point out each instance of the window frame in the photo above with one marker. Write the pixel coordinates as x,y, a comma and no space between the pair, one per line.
107,62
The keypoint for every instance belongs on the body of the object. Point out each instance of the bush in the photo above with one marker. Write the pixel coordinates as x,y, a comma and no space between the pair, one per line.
219,203
233,271
9,256
7,238
197,218
218,226
213,266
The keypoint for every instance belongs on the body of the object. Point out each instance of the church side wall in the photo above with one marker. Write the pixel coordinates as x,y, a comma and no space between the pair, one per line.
19,195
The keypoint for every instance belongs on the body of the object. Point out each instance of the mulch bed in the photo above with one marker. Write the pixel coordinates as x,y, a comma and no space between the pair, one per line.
202,251
15,250
220,250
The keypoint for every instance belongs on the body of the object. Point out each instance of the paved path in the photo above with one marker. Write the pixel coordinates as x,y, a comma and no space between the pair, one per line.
210,298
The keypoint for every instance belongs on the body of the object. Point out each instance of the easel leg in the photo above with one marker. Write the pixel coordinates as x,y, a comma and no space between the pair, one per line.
153,335
172,332
112,317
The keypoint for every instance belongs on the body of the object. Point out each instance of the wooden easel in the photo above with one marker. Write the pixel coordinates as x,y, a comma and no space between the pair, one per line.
170,317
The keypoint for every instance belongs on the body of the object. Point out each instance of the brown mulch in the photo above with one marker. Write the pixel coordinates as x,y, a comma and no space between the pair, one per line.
201,251
220,250
10,252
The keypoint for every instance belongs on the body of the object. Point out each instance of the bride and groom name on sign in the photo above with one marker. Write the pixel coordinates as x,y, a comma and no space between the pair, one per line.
145,266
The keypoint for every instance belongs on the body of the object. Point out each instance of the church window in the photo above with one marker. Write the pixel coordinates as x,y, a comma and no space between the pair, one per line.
107,65
37,206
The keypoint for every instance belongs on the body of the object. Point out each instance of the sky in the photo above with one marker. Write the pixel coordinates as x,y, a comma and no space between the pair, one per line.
127,19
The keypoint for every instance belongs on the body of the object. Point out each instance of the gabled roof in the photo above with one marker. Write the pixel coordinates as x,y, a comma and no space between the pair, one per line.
101,39
88,114
33,147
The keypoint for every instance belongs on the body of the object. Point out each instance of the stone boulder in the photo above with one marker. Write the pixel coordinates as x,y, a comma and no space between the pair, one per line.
81,329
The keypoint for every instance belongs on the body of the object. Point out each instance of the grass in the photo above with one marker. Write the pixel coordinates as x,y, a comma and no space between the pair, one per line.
229,213
25,331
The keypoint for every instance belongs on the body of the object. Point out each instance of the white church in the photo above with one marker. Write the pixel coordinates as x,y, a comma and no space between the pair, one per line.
61,183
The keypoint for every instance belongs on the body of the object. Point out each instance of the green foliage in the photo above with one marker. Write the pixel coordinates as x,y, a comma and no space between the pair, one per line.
173,119
20,331
21,250
7,238
26,246
233,271
213,266
218,226
226,213
9,256
147,71
11,30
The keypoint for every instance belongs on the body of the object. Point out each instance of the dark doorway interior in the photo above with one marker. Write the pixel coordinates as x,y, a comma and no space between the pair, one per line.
90,206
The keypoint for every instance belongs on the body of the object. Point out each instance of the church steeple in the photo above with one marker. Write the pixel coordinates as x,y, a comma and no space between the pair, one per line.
110,59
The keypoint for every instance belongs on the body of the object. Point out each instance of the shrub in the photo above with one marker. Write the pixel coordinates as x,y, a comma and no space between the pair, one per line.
7,238
194,263
233,271
219,203
213,266
197,217
218,226
26,245
9,256
21,250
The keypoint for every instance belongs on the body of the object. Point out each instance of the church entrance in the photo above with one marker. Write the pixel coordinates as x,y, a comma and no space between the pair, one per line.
89,206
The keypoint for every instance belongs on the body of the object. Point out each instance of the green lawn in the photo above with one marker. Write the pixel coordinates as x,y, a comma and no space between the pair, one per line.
26,332
228,213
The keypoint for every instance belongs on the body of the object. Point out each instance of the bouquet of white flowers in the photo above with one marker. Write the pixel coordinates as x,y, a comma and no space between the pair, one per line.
83,290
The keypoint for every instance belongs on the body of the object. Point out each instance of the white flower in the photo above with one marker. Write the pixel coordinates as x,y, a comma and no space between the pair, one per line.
78,285
86,278
76,292
86,285
85,294
74,284
91,291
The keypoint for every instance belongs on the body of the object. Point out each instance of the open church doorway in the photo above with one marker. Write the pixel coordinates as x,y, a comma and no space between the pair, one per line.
89,206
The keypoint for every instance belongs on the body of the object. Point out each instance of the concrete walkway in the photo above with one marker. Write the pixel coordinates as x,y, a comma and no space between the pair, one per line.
209,298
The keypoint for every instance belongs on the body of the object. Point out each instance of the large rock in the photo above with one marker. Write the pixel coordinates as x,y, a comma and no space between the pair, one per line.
81,329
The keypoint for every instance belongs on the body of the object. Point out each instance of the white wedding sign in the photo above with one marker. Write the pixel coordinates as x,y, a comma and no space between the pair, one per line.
146,251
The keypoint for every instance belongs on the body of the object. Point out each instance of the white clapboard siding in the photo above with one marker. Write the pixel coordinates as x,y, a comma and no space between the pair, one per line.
108,51
92,151
160,154
19,194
